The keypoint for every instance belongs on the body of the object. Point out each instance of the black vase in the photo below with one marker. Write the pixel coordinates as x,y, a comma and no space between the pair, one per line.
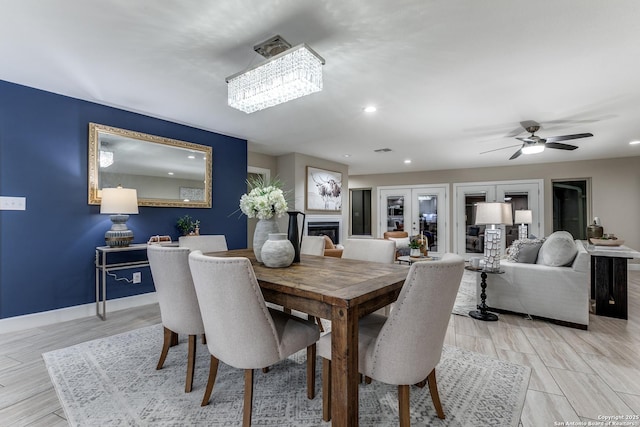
293,235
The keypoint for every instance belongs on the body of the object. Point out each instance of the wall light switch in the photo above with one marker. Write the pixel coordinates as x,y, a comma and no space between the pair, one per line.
13,203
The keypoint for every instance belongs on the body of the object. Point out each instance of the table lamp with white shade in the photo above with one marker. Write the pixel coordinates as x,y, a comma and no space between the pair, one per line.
492,214
523,217
119,203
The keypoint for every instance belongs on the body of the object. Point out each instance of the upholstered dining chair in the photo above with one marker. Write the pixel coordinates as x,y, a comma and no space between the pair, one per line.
404,348
179,308
312,245
241,330
205,243
376,250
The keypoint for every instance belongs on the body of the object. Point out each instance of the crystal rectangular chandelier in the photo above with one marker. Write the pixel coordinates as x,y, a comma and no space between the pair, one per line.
287,74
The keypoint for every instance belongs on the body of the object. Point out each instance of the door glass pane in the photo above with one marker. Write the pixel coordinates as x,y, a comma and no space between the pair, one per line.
570,208
474,233
395,213
428,219
519,201
361,212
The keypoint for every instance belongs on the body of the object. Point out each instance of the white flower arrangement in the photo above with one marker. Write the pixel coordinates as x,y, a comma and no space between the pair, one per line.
265,200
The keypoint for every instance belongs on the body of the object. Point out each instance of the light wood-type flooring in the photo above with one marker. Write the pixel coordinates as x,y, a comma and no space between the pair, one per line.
576,375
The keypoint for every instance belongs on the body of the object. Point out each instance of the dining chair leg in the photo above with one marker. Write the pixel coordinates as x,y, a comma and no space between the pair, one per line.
422,383
435,397
403,405
204,339
191,363
168,334
248,397
326,389
265,370
311,371
213,371
174,339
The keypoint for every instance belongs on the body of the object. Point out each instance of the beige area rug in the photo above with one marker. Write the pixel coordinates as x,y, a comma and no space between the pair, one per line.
466,300
113,382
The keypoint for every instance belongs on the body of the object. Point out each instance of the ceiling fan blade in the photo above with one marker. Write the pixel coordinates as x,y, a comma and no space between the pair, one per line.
498,149
516,154
560,146
568,137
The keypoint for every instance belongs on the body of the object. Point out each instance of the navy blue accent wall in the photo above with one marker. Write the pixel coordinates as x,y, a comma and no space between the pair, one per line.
47,251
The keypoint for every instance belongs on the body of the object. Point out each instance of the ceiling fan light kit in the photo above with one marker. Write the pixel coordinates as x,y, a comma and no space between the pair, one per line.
533,148
287,74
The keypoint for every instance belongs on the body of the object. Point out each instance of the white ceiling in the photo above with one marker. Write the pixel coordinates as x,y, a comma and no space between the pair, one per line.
451,79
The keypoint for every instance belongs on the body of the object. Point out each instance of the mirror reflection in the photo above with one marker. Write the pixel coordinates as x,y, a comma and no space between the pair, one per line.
164,171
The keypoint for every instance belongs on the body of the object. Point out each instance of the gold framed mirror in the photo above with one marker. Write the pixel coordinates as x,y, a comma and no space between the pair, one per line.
165,172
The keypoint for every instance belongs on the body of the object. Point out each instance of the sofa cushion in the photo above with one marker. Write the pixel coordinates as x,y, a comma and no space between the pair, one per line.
557,250
525,251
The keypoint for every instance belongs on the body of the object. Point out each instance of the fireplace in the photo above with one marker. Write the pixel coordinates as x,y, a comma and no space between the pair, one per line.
322,228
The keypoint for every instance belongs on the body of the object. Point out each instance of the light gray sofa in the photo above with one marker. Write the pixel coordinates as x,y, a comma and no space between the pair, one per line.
557,293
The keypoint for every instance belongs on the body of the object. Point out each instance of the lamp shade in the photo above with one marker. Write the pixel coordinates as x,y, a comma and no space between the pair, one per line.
488,213
523,217
119,201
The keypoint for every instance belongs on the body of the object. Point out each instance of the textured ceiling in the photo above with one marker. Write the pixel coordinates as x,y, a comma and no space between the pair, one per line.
451,79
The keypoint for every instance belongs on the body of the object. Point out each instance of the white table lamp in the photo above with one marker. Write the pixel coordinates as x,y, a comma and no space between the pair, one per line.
492,214
119,203
523,217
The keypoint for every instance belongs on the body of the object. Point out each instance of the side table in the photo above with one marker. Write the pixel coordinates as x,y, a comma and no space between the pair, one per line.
609,266
482,313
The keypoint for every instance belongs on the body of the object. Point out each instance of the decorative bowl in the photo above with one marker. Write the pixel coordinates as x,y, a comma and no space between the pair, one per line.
607,242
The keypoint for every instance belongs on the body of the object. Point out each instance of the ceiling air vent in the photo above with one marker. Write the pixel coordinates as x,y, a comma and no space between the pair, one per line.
382,150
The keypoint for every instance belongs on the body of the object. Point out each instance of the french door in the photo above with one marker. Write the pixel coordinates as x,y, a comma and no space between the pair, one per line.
416,210
469,237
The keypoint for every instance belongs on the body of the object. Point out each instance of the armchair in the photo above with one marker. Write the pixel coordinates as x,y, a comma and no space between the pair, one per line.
330,249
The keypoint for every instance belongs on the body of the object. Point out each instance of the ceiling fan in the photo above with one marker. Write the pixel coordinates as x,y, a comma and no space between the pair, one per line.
534,144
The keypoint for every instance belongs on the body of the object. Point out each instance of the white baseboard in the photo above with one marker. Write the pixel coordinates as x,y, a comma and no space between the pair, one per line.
35,320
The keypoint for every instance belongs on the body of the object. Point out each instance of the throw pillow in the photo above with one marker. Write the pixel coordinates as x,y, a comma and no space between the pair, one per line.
524,251
401,242
558,249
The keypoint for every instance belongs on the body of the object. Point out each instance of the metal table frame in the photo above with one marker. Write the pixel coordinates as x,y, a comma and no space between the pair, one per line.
103,267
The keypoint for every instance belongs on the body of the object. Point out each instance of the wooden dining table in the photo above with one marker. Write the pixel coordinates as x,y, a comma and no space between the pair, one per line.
341,290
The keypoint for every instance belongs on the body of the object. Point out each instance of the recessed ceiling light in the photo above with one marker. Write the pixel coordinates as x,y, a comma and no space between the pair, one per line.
191,156
346,155
170,173
370,109
634,142
407,161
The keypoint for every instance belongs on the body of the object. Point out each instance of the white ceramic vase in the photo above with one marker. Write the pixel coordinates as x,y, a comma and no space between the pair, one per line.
415,252
264,227
277,251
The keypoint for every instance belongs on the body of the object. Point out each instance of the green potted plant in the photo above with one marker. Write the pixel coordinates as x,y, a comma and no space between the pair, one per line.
414,245
188,226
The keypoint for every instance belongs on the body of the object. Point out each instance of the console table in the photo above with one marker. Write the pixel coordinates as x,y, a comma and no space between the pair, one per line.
103,266
609,278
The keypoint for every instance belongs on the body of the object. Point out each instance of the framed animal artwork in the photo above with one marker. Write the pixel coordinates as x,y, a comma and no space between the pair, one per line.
324,190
